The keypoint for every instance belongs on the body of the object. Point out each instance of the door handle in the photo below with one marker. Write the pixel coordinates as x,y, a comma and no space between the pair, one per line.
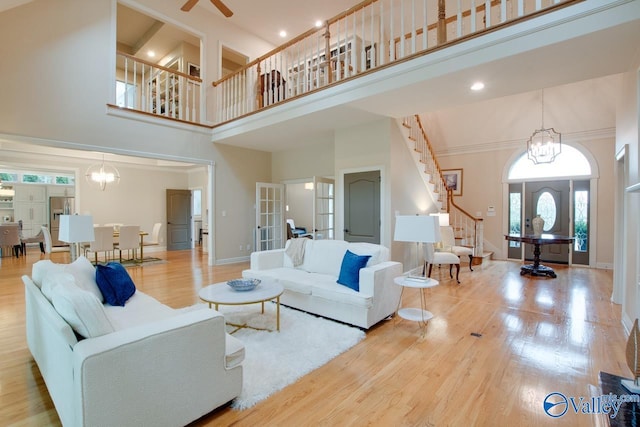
346,230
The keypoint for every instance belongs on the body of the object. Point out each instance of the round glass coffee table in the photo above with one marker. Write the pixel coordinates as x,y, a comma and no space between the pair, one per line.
221,294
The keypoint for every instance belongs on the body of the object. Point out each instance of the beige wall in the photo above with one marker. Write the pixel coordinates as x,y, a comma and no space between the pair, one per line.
315,158
237,171
483,187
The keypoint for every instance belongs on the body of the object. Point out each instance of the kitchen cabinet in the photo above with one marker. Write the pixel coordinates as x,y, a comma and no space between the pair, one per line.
29,205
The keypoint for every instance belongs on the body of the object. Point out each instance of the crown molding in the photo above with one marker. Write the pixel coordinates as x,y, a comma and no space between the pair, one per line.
567,138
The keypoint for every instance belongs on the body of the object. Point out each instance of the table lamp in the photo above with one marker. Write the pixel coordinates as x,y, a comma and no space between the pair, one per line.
417,229
75,229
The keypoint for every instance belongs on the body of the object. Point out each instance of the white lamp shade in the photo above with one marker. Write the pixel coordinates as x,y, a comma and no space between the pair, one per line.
443,218
417,228
76,228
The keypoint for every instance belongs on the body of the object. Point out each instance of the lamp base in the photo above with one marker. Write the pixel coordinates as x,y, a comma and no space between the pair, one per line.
631,386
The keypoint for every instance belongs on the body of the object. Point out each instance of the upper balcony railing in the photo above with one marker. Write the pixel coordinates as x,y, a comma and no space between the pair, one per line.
157,90
370,35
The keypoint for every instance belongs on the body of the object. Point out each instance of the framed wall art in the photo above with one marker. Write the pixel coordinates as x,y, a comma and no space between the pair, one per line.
453,180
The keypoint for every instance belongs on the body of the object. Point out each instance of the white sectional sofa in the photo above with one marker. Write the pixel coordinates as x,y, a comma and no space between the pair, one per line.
142,364
312,286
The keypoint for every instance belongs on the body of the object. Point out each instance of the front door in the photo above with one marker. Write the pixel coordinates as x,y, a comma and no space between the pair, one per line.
549,199
362,207
178,219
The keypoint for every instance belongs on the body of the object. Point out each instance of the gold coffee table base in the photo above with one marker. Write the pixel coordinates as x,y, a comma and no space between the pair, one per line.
220,294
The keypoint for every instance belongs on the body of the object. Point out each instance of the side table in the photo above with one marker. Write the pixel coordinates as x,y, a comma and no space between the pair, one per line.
421,315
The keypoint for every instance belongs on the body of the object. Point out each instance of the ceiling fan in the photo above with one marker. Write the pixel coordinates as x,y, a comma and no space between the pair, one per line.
217,3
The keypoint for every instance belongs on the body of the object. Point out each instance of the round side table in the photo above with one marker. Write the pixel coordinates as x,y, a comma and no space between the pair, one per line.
421,315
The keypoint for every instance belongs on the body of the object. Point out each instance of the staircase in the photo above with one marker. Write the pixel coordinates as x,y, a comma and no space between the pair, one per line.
468,230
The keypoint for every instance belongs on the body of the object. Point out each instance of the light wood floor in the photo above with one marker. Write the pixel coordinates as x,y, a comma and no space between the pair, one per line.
538,336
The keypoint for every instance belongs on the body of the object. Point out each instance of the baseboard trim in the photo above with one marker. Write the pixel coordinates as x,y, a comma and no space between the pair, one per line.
232,260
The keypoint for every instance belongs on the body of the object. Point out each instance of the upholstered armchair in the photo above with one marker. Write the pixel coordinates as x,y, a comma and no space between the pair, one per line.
449,244
441,257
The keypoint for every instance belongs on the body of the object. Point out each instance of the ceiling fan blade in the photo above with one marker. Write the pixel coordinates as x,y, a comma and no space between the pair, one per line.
188,5
222,8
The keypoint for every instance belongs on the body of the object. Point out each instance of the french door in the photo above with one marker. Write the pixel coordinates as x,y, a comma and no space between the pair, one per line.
323,208
269,216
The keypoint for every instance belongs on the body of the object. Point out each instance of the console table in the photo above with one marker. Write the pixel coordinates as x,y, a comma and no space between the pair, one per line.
629,413
537,269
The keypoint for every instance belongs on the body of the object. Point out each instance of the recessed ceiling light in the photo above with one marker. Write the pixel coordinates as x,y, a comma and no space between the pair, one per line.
283,33
318,23
151,54
477,86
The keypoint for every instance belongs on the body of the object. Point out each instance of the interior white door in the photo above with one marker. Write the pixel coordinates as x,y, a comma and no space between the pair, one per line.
269,216
323,208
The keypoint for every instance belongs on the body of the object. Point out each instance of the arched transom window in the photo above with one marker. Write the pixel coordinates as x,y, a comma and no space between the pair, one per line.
570,162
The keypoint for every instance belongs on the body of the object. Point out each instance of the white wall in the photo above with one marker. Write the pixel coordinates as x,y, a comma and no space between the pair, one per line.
627,133
409,196
57,77
362,148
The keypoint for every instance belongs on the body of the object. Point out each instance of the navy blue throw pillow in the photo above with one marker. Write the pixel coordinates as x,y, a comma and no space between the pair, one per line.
114,283
350,269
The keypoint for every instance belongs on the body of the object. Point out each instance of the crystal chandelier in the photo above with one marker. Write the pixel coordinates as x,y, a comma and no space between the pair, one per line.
102,174
545,144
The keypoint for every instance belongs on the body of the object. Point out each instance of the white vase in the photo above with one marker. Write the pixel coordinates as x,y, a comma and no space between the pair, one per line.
538,225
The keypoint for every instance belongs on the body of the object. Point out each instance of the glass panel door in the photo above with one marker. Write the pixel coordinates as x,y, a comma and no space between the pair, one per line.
269,216
581,222
323,221
514,250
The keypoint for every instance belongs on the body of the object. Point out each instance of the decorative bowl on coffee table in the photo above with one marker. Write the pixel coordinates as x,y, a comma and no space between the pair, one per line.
243,285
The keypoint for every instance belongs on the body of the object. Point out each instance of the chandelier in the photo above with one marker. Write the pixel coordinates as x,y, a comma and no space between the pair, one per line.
545,144
102,174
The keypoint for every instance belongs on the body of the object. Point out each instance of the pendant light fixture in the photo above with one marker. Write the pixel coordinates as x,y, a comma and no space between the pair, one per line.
545,144
102,174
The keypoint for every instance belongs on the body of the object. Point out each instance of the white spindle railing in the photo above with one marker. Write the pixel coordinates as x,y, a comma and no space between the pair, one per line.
367,36
468,230
150,88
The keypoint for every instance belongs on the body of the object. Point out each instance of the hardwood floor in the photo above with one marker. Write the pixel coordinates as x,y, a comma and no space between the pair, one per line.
538,336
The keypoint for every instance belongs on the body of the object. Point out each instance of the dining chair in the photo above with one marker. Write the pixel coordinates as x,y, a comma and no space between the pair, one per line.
129,239
155,235
10,238
104,242
38,238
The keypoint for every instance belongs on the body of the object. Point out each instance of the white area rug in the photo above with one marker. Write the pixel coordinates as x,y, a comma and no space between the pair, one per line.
274,360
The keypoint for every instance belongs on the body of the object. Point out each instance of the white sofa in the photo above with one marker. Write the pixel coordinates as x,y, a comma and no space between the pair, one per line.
312,287
155,366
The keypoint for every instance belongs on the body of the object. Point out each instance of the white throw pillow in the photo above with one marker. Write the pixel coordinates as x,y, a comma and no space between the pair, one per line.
378,253
82,310
85,274
42,269
51,281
